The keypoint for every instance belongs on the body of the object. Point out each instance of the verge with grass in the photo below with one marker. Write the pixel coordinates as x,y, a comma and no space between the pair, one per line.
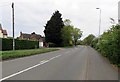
23,53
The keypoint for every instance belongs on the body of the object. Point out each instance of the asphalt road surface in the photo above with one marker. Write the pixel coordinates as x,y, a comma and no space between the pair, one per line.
79,63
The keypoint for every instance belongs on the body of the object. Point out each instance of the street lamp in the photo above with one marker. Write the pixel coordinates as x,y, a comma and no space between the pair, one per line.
99,20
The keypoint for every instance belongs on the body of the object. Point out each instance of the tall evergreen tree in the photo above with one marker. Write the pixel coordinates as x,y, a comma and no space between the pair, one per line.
53,29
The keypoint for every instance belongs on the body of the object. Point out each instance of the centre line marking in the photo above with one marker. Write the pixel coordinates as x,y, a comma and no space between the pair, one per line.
41,63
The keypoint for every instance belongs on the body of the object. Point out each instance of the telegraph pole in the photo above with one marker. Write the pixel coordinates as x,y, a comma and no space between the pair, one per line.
13,25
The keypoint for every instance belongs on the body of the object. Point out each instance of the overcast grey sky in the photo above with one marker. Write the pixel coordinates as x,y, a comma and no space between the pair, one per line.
32,15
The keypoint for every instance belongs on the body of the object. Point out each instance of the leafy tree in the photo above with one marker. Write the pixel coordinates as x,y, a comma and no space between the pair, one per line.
66,33
53,29
70,34
88,40
76,34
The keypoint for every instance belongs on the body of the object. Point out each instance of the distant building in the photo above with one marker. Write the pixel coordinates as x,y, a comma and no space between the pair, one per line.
119,12
3,33
33,36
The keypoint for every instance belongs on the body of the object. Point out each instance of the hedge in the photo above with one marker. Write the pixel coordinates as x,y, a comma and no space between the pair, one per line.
7,44
109,44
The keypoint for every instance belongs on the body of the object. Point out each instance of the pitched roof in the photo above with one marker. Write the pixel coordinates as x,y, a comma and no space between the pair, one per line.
3,31
36,36
32,36
25,35
0,27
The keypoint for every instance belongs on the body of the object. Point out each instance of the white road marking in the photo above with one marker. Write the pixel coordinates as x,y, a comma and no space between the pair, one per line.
41,63
44,61
54,57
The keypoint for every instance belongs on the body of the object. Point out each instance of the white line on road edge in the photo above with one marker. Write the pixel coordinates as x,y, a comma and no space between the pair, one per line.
41,63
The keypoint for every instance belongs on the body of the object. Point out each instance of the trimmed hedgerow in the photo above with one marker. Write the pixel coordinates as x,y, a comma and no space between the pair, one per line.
7,44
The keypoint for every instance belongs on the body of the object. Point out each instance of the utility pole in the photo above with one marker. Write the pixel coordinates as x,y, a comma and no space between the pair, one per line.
13,25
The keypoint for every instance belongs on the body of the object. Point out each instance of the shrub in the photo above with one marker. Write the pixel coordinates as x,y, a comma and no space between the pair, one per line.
109,44
7,44
94,43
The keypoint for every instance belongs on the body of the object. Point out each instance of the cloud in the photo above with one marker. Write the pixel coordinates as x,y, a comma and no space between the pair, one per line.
32,15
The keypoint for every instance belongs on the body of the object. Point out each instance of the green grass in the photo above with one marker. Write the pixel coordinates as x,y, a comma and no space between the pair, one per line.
23,53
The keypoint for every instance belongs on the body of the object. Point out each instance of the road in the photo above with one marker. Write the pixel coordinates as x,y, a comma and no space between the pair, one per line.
79,63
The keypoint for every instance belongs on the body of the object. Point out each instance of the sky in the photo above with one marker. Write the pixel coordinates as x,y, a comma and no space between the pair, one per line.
32,15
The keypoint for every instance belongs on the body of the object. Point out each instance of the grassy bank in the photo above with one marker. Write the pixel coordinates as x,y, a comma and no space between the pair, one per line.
23,53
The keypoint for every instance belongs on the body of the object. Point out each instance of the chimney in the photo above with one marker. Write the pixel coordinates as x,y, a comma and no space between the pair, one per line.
20,33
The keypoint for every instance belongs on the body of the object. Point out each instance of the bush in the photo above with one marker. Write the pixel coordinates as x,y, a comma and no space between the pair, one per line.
88,40
109,44
94,43
7,44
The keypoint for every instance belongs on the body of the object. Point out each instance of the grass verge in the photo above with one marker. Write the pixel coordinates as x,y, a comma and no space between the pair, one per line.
23,53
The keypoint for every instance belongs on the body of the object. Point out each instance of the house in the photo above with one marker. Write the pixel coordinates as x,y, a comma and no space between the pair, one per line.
33,36
3,33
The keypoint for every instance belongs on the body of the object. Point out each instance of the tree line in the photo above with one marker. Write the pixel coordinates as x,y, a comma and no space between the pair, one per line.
60,33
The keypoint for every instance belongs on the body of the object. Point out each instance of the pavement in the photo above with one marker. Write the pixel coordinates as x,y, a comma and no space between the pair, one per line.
78,63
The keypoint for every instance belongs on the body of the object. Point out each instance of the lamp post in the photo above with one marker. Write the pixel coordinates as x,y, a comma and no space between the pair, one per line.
99,20
13,25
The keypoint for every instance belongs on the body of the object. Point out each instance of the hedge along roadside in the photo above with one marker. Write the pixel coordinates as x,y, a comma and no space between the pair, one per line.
109,44
7,44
